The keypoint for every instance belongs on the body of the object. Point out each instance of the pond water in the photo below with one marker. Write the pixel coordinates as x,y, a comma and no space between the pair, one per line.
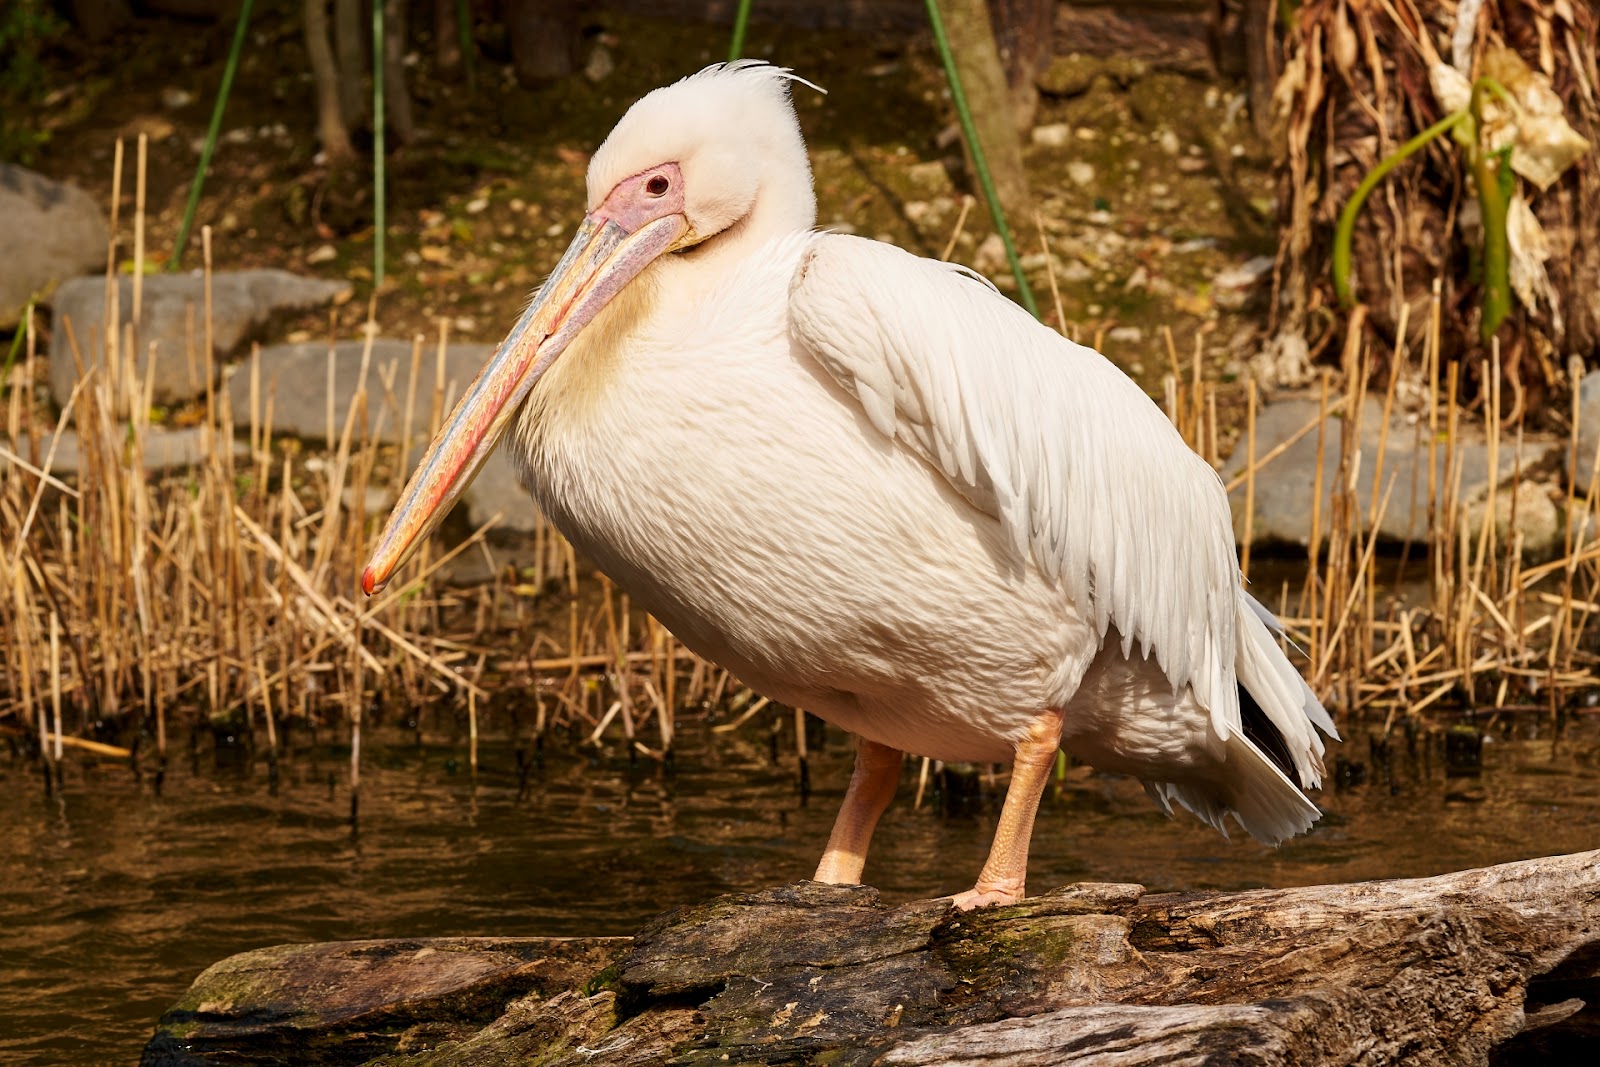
113,896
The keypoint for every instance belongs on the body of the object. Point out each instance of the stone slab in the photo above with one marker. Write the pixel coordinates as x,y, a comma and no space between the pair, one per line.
164,449
297,376
1285,487
172,319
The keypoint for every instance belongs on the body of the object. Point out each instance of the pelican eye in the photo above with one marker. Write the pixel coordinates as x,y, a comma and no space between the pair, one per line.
657,185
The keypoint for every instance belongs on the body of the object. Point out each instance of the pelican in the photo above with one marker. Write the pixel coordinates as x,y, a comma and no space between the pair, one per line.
871,486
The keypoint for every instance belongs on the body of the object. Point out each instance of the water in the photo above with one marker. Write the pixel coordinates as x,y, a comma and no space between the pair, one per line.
112,898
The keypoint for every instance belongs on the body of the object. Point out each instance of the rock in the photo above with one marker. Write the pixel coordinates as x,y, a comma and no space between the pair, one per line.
990,258
1054,135
1076,272
1538,518
600,64
172,319
164,449
1284,487
53,232
296,377
929,178
1588,426
1081,173
374,503
1233,288
1496,965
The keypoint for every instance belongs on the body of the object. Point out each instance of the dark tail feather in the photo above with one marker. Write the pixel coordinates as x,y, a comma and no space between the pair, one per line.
1259,729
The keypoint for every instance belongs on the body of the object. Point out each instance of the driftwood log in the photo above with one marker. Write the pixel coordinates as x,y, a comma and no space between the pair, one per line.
1492,966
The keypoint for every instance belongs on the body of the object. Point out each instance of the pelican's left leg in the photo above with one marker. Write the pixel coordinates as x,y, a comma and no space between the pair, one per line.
872,786
1004,877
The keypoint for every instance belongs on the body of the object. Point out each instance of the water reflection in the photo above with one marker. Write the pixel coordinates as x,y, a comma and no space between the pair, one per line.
114,896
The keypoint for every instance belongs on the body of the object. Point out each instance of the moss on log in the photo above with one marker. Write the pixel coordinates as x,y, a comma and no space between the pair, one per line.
1492,966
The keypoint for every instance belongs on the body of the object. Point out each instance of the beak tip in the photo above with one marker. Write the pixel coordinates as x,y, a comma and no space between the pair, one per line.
369,582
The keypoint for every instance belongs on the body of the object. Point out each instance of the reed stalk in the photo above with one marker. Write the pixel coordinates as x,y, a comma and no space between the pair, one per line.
231,588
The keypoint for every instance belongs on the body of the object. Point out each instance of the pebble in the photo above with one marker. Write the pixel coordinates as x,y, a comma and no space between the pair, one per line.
1075,271
1056,135
600,65
990,256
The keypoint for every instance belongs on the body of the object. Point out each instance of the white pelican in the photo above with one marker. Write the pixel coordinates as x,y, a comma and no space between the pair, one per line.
872,487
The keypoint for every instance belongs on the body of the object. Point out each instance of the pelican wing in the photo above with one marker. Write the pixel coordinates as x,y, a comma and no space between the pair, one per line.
1087,477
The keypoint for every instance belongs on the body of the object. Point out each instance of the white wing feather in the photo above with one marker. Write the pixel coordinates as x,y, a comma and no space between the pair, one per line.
1086,475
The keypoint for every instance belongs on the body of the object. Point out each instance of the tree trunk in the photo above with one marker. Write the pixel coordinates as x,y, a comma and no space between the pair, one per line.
544,39
350,35
331,128
446,35
1492,966
396,97
983,77
1261,60
1022,31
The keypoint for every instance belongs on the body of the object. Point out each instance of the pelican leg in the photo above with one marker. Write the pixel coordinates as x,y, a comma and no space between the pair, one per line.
1004,877
872,786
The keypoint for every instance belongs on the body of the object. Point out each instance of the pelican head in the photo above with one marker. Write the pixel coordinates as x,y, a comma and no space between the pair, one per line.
709,164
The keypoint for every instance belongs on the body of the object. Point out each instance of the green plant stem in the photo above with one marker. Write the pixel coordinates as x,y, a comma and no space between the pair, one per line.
1345,230
979,162
23,326
741,19
378,204
215,129
1495,181
1492,174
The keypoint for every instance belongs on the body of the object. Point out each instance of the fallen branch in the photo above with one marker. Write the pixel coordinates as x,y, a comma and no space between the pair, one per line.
1494,965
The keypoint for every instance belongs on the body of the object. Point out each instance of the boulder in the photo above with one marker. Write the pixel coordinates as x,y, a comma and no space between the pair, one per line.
53,232
1588,426
1533,509
172,317
296,375
1286,485
164,449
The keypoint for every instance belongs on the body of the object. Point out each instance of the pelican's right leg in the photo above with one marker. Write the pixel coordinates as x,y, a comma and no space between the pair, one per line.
1004,877
872,786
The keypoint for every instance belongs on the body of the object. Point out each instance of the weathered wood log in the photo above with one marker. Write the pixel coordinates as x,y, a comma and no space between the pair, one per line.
1492,966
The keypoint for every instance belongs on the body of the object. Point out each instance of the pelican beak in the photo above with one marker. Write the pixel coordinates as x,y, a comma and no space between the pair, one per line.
604,256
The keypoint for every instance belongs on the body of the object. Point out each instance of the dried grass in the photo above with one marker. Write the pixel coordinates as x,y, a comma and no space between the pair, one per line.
230,591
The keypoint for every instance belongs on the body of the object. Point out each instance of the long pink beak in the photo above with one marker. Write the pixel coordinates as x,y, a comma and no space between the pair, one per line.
604,256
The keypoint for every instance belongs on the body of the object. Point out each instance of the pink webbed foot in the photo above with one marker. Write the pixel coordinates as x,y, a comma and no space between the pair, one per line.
992,895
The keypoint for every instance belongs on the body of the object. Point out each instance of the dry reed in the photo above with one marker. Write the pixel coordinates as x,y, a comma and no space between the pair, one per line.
1484,631
230,590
